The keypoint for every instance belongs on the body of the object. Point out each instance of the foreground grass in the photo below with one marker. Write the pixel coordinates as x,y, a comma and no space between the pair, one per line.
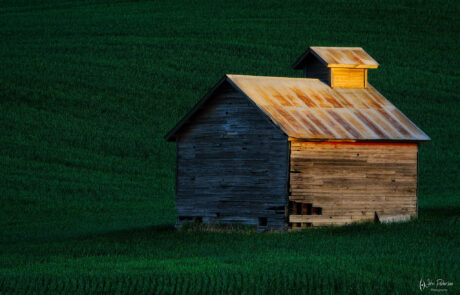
89,88
367,259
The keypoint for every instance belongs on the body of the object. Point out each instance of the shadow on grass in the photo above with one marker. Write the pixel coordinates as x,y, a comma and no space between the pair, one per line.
425,215
169,232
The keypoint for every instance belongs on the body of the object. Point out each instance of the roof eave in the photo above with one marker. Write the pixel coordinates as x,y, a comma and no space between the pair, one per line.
348,140
298,64
353,66
170,136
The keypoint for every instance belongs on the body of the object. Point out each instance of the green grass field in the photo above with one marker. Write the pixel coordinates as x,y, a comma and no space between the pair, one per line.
89,88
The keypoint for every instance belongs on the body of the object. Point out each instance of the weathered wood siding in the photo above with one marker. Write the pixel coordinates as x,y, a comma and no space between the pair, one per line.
316,70
232,165
343,183
348,78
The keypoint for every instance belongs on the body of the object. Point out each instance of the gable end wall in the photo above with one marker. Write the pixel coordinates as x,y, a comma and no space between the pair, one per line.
313,68
232,164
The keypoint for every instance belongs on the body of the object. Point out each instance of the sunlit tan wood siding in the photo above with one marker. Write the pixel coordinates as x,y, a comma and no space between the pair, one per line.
348,78
350,182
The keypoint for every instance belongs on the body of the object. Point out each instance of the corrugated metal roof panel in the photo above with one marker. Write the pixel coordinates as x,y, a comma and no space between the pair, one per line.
340,57
310,109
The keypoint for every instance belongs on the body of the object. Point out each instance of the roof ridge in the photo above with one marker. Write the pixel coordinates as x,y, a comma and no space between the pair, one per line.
270,77
337,47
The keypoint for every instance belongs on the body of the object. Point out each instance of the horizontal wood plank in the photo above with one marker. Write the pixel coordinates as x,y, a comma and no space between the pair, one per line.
232,165
351,182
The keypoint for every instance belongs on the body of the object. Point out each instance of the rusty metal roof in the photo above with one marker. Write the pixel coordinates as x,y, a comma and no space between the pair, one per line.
339,57
310,109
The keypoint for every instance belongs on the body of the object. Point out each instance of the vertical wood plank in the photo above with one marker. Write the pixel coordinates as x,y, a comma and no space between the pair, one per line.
365,78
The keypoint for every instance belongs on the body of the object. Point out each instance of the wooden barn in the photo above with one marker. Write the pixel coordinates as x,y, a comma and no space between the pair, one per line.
287,153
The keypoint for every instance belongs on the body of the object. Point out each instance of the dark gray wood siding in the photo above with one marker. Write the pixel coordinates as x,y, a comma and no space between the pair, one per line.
313,68
232,164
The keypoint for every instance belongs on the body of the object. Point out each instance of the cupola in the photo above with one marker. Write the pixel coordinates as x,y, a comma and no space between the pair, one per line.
339,67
